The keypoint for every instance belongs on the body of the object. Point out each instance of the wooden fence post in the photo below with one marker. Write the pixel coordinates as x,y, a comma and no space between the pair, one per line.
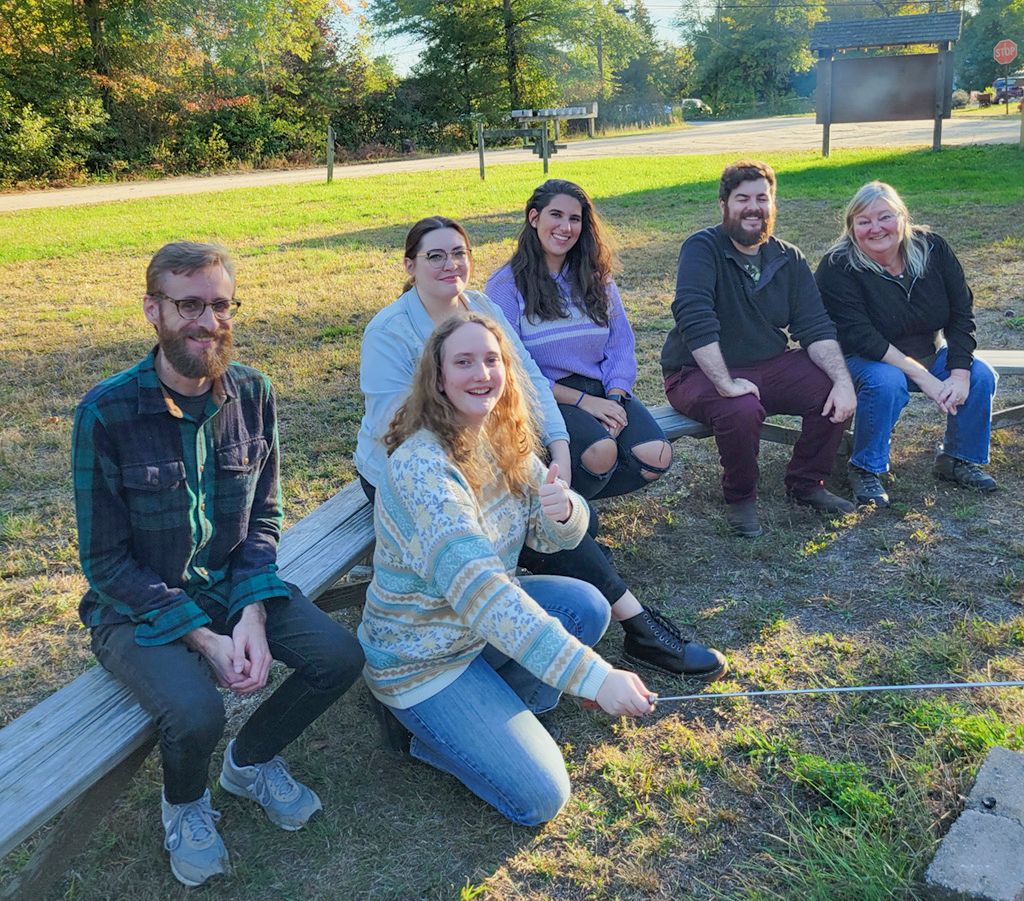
330,154
480,146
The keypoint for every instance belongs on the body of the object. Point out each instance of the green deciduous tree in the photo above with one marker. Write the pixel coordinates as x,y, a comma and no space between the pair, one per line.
748,50
992,21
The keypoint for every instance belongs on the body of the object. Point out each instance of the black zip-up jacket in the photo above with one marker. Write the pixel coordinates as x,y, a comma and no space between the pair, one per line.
717,301
872,311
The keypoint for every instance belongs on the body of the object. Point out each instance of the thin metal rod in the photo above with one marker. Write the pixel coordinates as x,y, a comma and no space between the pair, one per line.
842,689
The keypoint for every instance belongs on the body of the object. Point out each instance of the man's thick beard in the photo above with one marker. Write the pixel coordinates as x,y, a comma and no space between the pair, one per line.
212,364
734,229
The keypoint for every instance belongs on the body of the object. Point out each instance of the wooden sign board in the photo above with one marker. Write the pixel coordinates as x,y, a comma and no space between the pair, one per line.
884,89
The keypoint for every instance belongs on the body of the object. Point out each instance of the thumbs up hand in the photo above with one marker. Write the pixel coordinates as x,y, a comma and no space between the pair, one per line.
554,496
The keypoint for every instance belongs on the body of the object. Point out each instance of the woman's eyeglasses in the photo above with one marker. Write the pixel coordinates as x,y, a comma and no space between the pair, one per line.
438,259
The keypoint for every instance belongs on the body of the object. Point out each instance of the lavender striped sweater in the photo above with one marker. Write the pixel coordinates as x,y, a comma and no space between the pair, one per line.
575,345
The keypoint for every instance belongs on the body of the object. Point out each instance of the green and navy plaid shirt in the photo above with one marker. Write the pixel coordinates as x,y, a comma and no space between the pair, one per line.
177,517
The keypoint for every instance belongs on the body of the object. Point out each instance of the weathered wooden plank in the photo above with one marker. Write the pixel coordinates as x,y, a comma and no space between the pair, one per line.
335,552
61,747
1009,416
675,425
72,833
331,514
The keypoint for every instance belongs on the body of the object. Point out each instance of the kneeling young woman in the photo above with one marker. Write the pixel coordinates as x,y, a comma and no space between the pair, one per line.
462,653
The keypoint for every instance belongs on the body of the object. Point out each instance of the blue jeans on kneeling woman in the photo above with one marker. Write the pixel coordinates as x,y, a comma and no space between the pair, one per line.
882,393
482,727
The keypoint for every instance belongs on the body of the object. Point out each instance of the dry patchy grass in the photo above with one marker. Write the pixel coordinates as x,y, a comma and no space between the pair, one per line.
815,797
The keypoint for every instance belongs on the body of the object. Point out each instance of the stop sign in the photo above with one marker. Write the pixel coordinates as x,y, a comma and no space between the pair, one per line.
1005,52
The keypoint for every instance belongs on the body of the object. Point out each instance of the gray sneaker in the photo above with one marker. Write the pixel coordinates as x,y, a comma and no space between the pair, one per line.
197,852
288,803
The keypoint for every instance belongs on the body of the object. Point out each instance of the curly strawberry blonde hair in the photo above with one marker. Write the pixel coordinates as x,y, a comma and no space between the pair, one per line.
509,433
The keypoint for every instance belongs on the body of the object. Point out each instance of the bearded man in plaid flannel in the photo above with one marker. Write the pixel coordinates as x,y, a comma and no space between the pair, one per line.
179,513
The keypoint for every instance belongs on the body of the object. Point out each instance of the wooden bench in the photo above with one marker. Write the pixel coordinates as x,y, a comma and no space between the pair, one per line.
675,425
77,750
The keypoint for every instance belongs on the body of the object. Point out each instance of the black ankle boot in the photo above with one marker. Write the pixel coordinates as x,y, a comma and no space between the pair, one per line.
653,641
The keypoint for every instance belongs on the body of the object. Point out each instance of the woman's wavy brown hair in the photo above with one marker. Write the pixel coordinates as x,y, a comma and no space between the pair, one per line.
509,437
588,265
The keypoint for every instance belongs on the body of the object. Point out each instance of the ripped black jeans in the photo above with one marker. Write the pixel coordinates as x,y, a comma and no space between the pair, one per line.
584,430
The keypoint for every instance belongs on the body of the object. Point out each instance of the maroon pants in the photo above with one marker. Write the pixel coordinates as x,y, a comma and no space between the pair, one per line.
790,383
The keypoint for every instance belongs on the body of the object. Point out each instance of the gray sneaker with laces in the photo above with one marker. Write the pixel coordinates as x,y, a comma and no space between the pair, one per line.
197,852
288,803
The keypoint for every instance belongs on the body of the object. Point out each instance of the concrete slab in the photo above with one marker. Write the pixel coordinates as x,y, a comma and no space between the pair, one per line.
980,859
999,787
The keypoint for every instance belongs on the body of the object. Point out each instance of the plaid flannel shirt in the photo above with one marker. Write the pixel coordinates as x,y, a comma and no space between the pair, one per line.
177,517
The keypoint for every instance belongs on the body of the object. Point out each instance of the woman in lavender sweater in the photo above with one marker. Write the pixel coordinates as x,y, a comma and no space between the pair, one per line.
558,293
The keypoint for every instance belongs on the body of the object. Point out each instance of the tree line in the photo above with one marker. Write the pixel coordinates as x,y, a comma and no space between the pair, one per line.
104,87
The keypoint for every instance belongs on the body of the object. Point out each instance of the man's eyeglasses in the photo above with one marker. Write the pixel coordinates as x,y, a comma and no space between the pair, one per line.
192,308
437,259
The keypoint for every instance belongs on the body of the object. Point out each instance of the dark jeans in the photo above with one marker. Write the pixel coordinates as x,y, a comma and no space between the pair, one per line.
584,431
176,686
586,562
789,383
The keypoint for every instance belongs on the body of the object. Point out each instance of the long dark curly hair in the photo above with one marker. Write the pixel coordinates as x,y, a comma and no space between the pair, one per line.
588,265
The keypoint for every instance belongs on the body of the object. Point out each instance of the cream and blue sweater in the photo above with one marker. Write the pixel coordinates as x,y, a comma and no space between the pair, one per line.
444,587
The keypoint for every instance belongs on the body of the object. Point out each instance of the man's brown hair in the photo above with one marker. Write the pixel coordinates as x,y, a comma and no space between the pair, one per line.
186,258
741,171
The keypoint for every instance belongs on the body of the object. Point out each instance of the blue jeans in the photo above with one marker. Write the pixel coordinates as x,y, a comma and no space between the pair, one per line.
882,393
482,727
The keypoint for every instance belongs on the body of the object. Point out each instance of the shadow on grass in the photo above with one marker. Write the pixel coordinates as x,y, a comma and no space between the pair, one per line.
811,200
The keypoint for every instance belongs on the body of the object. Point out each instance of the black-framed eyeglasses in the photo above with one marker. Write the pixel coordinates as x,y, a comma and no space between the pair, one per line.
192,308
437,259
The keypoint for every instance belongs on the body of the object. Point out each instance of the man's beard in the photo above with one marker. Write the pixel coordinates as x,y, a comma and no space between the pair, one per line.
211,363
733,226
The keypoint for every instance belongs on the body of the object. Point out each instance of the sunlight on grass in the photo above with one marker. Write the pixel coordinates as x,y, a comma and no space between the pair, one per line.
661,807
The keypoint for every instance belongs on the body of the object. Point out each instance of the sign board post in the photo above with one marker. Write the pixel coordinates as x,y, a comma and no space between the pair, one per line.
330,154
1004,53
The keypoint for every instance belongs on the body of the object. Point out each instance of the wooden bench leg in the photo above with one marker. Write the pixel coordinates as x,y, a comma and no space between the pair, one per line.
351,595
69,836
782,434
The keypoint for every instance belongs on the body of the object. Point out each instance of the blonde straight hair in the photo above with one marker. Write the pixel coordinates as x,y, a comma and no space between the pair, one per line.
913,241
509,438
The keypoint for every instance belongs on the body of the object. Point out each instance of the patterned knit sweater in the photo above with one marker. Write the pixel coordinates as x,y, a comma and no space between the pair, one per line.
443,581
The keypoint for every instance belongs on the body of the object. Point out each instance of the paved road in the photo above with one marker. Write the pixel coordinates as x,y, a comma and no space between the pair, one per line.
741,137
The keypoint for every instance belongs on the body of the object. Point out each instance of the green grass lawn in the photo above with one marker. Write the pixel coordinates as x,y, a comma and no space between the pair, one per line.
994,109
814,797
